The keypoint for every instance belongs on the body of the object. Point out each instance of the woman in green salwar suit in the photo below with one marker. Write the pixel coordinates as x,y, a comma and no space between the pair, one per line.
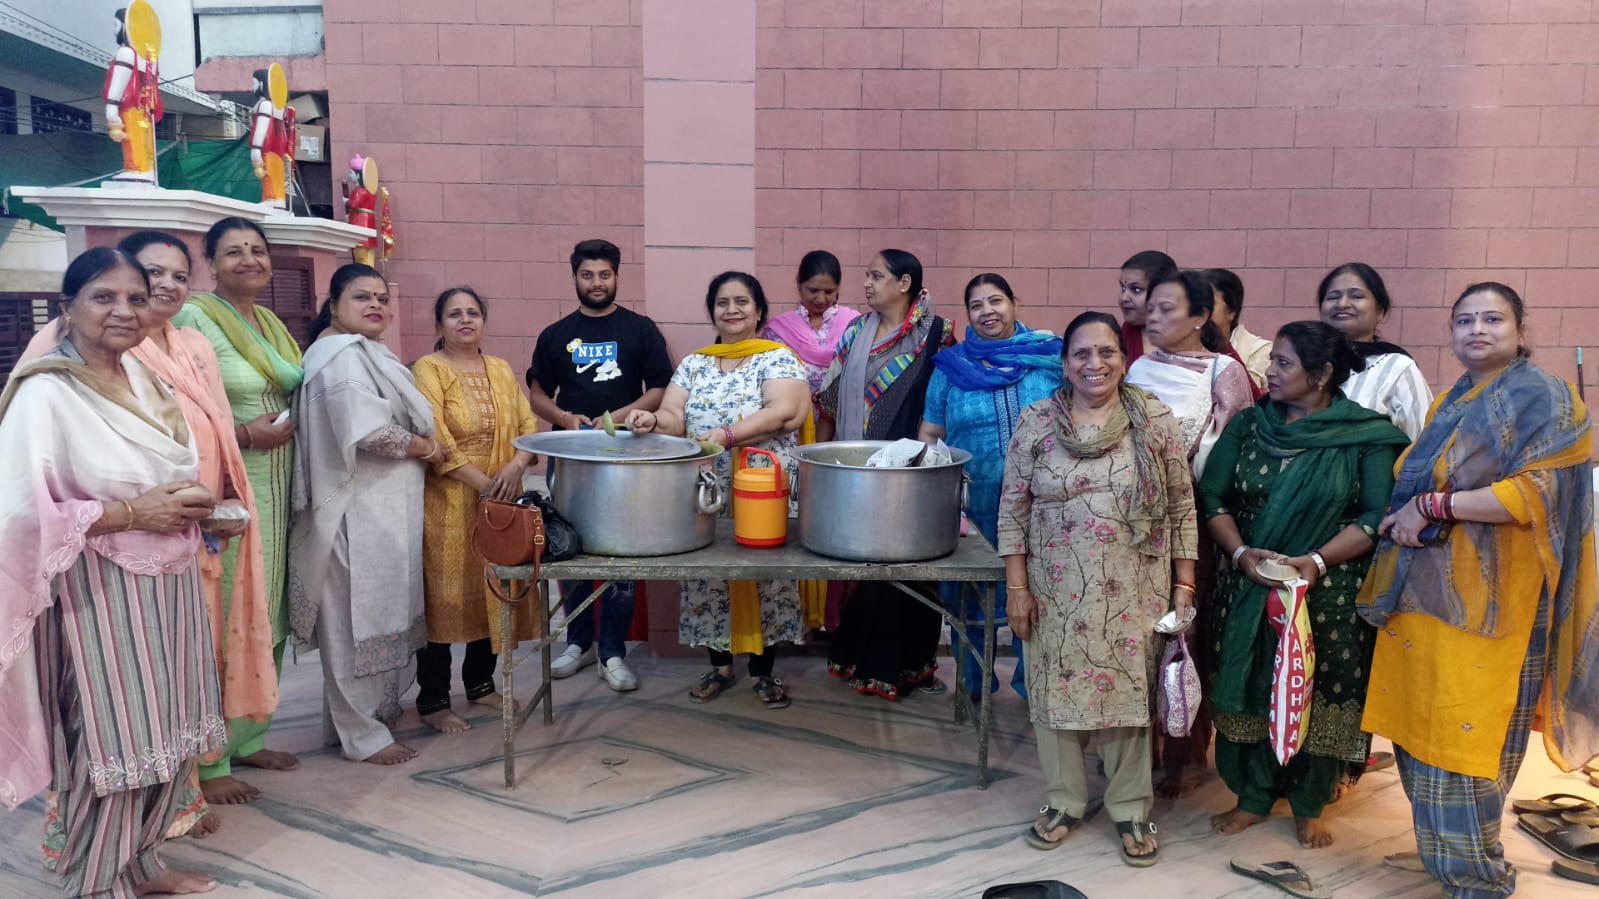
1303,477
260,366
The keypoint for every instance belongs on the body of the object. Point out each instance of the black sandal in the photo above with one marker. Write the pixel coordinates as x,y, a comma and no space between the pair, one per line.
1053,818
1139,831
771,693
710,686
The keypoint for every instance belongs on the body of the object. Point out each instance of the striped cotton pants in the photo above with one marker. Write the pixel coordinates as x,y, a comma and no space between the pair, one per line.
111,840
1458,816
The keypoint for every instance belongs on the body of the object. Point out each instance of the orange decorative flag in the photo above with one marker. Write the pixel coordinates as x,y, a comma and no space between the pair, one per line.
1293,669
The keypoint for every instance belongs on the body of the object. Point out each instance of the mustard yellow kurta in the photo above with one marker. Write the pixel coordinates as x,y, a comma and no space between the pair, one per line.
476,415
1445,694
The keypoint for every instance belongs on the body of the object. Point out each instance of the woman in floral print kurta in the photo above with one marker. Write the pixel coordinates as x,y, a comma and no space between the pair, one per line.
1096,511
740,391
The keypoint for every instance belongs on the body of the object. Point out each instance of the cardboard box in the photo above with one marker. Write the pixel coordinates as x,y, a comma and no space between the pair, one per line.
308,108
311,143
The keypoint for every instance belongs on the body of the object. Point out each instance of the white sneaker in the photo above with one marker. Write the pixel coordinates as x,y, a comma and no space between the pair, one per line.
571,661
617,676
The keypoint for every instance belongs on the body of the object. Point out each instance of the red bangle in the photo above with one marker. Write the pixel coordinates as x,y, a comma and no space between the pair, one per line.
1449,506
1182,585
727,431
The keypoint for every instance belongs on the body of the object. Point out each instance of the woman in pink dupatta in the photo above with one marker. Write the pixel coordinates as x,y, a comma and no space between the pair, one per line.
812,332
186,363
108,683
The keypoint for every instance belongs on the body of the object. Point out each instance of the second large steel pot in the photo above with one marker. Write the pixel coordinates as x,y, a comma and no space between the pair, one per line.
849,511
644,508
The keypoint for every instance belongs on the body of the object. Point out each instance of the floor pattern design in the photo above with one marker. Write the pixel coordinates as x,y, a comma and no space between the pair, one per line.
647,794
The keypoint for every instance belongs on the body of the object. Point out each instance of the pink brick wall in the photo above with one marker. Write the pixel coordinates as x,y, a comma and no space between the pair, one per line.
507,130
1443,141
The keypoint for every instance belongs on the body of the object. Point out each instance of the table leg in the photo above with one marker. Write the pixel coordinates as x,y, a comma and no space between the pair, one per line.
985,661
549,642
508,698
985,710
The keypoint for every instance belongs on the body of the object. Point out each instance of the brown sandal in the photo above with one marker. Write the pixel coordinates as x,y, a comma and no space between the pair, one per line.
710,686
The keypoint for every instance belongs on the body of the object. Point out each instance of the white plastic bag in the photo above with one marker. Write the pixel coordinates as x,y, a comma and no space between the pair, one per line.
1178,704
900,453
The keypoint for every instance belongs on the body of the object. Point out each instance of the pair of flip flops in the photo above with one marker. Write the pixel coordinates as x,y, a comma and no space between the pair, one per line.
1568,824
1285,876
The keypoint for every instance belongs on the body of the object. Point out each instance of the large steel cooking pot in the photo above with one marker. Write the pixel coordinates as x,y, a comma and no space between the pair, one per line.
849,511
639,508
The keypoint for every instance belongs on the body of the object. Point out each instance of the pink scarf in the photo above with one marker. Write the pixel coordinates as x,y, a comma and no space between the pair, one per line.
814,347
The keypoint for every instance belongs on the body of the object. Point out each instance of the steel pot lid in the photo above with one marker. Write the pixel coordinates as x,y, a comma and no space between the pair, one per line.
596,446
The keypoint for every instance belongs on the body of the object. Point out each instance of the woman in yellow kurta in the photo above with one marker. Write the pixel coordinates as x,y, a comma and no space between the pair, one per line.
1484,597
478,409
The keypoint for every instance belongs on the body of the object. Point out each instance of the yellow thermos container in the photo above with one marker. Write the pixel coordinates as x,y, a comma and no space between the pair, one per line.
760,500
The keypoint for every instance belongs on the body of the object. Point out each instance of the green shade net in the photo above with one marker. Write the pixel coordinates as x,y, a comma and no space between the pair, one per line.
57,159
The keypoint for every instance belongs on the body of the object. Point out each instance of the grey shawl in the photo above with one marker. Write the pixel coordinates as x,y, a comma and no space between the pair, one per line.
366,504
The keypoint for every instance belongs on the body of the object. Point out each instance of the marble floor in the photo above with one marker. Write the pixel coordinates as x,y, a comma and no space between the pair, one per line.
649,795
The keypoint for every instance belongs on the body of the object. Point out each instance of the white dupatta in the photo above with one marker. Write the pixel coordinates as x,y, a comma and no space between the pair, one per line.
69,450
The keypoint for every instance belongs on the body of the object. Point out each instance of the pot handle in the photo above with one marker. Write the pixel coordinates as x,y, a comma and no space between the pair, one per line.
966,493
711,504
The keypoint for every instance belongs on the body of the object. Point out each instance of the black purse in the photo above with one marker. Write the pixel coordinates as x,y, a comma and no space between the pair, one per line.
561,539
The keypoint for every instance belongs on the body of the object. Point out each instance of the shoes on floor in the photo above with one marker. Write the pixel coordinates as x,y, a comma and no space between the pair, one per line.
616,675
570,662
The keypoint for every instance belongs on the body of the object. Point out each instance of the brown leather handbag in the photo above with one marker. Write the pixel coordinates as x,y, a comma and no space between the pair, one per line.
508,534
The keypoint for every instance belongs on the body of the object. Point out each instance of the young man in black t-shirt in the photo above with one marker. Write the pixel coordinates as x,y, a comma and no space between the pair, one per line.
601,358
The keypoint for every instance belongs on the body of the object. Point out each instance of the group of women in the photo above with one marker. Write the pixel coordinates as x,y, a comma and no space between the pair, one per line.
1399,513
160,445
164,443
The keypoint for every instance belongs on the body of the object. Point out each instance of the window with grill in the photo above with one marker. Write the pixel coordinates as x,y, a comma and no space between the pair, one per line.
8,111
51,116
292,296
21,316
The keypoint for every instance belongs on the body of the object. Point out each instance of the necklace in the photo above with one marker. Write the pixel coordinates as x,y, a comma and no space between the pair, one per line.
737,364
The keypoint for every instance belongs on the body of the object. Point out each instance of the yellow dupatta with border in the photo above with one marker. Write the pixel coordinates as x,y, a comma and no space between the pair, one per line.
745,630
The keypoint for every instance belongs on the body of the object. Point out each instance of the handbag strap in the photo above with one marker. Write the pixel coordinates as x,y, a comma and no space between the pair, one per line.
493,582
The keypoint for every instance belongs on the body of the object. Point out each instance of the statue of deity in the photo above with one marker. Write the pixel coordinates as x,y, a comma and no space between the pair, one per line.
361,205
133,93
269,137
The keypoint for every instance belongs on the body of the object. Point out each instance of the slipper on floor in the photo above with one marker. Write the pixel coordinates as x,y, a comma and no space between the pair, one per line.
1585,817
771,692
1053,818
1377,761
1585,872
1035,889
1140,831
1286,876
1578,842
1405,861
1553,804
710,686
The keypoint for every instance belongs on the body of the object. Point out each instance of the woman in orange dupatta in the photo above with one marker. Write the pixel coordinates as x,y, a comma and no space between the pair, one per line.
1484,597
741,391
184,360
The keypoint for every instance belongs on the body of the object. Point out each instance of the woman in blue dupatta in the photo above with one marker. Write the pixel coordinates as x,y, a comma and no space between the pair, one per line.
1483,594
977,391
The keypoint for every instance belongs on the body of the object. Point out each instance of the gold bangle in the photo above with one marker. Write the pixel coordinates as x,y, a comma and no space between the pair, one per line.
1016,587
129,506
